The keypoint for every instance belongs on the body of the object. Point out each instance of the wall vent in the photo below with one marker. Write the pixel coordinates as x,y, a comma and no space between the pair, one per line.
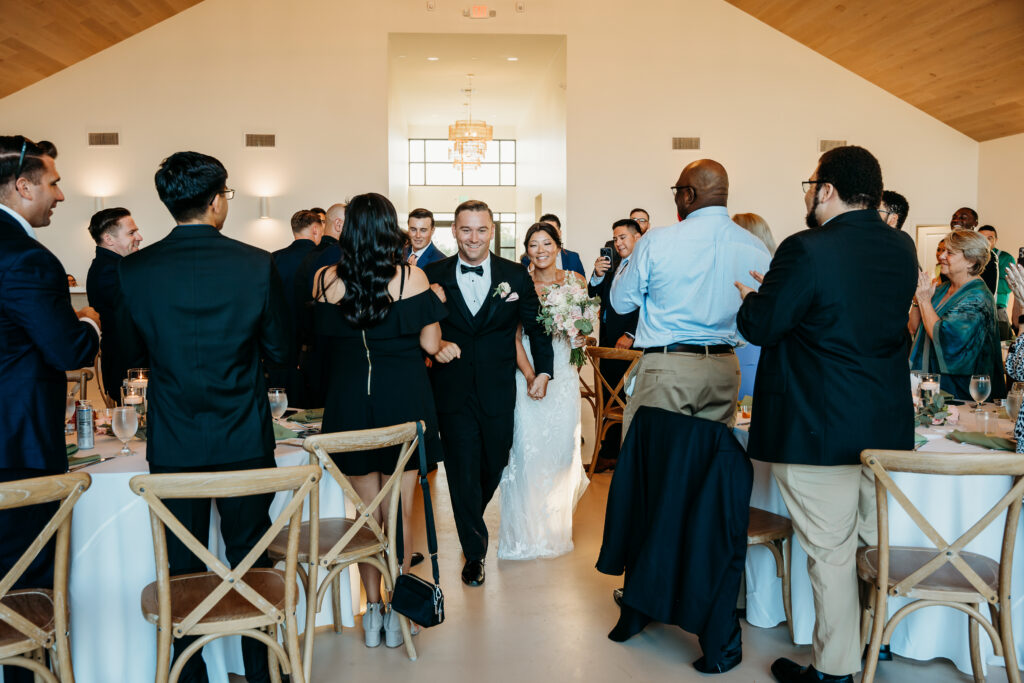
104,139
685,143
260,140
826,145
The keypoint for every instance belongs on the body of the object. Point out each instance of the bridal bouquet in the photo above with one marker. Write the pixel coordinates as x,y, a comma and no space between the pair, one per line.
567,311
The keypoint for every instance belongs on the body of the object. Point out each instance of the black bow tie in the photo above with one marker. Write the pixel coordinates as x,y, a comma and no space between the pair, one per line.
479,270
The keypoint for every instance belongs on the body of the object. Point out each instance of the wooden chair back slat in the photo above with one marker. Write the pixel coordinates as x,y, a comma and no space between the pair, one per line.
607,395
362,439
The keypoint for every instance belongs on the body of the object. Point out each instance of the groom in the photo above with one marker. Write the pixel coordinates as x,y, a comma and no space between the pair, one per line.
474,383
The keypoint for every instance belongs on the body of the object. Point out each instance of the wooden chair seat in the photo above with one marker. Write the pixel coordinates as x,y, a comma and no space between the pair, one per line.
613,414
765,527
947,583
34,604
364,544
188,590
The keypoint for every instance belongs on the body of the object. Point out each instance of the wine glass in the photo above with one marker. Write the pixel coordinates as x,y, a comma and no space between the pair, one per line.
981,387
125,422
278,402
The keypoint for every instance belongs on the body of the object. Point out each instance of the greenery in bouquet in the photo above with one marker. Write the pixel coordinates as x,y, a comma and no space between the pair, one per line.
935,411
568,311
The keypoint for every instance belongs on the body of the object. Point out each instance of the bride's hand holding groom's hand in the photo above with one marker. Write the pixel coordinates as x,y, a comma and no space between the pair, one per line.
539,387
449,351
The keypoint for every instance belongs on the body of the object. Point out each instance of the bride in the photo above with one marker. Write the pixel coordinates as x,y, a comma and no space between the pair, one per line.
544,477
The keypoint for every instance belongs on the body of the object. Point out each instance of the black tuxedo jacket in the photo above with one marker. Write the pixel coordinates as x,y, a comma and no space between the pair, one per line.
102,287
206,308
831,321
486,371
40,338
613,324
287,261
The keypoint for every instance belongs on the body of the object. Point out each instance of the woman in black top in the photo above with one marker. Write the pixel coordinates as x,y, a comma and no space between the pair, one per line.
377,316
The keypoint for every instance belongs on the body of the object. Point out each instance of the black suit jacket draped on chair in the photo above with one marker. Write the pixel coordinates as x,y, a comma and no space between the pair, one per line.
487,367
40,338
676,523
830,362
206,308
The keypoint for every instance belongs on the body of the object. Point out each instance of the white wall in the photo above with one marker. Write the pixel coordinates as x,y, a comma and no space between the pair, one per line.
1000,172
315,73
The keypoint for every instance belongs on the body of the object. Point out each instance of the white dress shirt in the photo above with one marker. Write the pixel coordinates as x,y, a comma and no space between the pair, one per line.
474,287
418,253
21,220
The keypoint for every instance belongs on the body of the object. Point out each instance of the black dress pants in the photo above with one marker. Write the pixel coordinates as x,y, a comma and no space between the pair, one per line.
476,450
18,528
242,522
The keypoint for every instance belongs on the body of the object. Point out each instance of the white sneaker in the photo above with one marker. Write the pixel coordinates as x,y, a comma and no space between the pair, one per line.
392,629
373,622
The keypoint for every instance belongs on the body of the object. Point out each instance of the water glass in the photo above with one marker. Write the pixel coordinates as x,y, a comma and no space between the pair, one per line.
278,402
981,387
1014,399
124,423
929,387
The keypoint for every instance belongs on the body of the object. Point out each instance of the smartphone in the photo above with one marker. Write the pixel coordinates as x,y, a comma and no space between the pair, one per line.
1020,256
606,252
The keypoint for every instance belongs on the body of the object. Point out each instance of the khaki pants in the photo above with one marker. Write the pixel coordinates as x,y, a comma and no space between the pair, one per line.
831,508
689,383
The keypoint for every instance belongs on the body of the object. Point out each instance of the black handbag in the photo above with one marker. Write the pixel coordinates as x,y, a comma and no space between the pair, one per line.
413,597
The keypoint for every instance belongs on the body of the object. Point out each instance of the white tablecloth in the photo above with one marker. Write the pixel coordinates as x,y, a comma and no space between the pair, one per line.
951,504
112,561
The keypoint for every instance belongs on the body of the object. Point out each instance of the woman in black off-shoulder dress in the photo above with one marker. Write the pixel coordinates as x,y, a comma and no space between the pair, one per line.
376,317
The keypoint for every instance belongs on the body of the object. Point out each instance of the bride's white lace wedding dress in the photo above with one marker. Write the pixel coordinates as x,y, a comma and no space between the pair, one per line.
544,478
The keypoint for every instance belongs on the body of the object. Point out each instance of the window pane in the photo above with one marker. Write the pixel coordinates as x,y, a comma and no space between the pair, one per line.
508,174
509,253
415,174
443,174
491,153
486,174
508,151
415,150
506,217
508,234
437,150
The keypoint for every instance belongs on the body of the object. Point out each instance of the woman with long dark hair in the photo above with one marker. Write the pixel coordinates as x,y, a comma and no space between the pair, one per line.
376,316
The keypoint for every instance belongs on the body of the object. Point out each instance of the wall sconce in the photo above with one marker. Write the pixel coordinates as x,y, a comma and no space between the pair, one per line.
264,207
99,203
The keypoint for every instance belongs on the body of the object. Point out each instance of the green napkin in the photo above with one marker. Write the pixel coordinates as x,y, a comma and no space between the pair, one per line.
72,449
83,460
919,440
996,443
281,433
307,416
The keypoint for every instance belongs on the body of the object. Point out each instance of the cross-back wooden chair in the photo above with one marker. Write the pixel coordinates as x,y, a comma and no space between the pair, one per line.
587,392
33,620
226,601
78,382
101,382
944,574
775,532
610,404
345,541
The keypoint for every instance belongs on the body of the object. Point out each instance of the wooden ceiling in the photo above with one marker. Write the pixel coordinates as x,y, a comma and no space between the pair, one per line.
38,38
962,61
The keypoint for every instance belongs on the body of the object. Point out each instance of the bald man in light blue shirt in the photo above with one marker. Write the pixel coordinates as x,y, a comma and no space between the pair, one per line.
681,278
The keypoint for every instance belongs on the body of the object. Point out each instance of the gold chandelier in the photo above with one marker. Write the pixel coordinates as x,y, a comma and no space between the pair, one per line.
469,138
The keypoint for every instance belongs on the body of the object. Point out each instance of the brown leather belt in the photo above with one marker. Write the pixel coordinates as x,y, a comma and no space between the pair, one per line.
714,349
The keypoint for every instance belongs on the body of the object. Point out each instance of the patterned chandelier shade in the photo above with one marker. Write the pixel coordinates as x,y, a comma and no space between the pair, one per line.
469,138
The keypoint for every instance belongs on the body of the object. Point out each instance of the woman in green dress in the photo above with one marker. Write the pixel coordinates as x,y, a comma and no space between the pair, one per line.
954,324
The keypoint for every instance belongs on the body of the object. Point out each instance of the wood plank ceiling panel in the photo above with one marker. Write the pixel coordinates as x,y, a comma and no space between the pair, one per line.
962,61
38,38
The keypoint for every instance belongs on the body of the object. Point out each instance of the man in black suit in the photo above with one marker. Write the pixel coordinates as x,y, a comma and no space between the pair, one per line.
41,337
474,381
617,330
205,309
307,229
116,236
831,321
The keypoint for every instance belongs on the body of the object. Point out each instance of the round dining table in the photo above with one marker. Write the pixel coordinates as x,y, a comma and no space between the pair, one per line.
952,504
112,561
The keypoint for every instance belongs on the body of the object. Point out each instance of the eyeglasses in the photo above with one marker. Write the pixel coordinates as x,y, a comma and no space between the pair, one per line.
21,159
883,214
641,220
677,188
806,185
228,193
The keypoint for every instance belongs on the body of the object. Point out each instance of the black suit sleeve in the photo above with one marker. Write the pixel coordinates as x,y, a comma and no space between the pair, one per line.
275,340
540,341
783,299
38,301
130,342
991,274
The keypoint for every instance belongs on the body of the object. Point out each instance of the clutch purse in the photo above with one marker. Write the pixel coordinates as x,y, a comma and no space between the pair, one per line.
414,597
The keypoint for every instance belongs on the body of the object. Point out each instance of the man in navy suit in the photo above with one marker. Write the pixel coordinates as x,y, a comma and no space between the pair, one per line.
41,337
421,251
116,236
566,259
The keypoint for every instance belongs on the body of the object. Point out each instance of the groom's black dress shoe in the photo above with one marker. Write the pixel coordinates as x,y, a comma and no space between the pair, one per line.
473,572
728,658
788,671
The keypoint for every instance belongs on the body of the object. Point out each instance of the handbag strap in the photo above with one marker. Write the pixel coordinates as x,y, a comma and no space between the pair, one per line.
428,508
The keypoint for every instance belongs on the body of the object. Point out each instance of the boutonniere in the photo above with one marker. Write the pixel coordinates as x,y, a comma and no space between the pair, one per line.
502,290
